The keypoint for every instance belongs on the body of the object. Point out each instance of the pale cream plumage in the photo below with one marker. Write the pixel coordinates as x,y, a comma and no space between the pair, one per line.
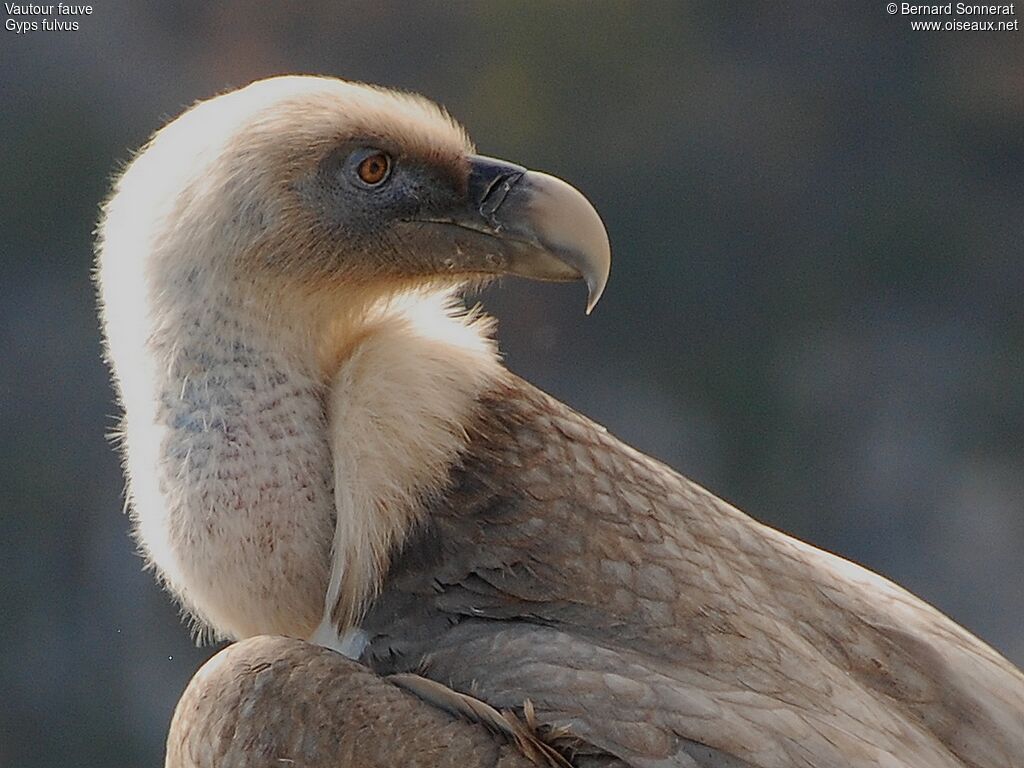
194,332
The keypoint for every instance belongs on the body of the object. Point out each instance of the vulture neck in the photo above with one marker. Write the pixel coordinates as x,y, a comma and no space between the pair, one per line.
370,397
405,382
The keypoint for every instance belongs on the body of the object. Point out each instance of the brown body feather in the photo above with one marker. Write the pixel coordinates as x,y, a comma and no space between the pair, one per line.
634,618
656,622
280,703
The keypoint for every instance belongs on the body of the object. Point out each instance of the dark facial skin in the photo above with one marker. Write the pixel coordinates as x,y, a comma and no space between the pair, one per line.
411,188
456,218
368,218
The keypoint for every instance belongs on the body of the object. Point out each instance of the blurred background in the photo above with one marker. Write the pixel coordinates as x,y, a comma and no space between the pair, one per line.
815,308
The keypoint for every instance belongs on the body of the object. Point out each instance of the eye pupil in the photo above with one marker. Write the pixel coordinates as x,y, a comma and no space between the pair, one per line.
374,168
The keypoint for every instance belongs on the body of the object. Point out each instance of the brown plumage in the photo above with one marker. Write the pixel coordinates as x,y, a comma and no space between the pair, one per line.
660,624
320,446
656,625
278,702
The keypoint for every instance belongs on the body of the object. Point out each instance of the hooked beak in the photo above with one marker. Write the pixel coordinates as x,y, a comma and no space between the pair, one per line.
529,224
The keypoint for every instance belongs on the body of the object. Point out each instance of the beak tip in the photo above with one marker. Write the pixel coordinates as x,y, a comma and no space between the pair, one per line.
597,268
568,222
595,289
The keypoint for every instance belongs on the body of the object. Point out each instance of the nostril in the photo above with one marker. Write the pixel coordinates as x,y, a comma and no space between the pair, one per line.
496,193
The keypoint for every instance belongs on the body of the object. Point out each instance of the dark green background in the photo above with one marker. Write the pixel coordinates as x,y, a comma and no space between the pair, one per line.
815,307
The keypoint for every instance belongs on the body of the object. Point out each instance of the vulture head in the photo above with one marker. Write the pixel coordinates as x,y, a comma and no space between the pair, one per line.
275,271
323,185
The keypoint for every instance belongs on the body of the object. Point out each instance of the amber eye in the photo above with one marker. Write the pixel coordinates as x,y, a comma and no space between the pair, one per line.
374,168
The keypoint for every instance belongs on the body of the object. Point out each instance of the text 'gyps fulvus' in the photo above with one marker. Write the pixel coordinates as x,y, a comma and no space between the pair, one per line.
322,444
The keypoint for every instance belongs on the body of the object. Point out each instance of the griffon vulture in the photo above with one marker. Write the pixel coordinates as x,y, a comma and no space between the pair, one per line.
322,444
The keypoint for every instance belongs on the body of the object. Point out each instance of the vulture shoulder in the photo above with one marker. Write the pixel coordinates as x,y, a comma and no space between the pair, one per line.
649,619
275,701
